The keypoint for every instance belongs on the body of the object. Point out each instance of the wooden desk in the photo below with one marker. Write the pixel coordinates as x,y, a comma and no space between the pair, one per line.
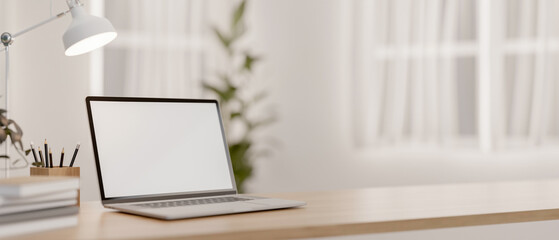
334,213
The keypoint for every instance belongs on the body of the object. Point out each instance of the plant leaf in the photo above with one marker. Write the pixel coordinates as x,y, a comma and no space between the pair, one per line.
224,95
238,28
3,135
231,90
235,115
217,91
16,136
230,93
240,161
238,14
3,120
249,61
225,41
253,125
226,79
238,32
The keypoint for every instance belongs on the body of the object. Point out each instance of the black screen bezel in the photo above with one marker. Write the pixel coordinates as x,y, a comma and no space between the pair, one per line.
154,197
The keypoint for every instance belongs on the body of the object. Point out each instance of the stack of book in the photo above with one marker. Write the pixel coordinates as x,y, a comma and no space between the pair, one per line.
37,203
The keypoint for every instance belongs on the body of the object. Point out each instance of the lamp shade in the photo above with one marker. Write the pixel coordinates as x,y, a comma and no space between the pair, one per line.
86,33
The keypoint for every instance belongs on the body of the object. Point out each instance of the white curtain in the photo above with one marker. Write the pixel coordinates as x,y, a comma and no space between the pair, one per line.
531,84
164,48
415,75
525,96
405,77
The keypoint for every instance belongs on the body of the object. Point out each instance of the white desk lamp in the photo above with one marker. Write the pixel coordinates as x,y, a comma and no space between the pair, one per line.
86,33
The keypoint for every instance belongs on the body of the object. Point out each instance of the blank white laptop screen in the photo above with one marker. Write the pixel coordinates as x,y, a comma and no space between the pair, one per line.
147,148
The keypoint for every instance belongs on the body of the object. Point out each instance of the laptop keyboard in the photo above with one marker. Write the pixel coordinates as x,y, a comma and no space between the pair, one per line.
200,201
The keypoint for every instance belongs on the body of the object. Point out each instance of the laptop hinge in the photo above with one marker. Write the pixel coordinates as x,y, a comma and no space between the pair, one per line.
166,197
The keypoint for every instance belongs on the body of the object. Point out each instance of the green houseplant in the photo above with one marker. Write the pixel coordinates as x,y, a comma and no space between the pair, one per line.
230,88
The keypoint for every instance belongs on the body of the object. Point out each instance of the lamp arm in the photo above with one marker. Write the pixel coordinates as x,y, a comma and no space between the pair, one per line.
62,14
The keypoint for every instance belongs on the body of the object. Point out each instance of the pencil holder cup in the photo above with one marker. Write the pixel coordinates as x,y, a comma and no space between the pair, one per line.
56,171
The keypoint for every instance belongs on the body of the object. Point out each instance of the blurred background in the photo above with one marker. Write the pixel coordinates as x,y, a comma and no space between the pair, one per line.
364,93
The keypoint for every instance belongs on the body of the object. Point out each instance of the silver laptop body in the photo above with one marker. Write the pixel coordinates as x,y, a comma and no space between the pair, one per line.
166,159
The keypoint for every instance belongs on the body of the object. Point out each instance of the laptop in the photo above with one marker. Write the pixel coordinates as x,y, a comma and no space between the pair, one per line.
166,159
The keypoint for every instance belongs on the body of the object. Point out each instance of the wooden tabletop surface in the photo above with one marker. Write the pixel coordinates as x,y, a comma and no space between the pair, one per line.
334,213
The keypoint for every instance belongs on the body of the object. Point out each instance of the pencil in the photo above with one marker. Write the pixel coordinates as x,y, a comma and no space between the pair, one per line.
41,155
74,156
50,158
33,151
46,153
62,158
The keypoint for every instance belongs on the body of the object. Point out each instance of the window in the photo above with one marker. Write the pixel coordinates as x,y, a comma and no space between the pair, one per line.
455,73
